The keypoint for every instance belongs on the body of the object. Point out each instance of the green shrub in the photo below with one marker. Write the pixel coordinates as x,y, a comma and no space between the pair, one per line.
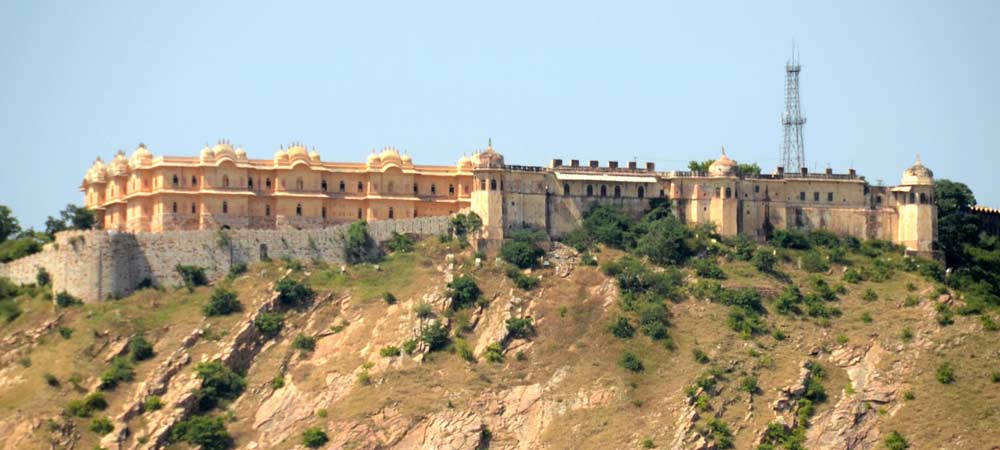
236,270
870,295
304,343
995,377
944,315
945,374
139,349
813,261
906,335
270,323
423,310
587,259
293,293
852,276
866,317
87,405
218,382
314,437
64,300
842,339
523,250
207,432
794,239
278,381
749,384
153,403
988,323
435,336
42,277
9,309
222,302
895,441
364,378
50,379
707,268
522,281
911,301
789,301
410,346
359,247
321,413
101,425
192,276
700,356
464,351
463,291
389,351
745,322
494,353
520,328
609,225
648,443
400,243
389,298
120,371
764,260
631,362
621,328
718,431
909,395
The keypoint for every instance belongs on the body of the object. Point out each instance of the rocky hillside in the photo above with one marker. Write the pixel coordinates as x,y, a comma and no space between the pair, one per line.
435,348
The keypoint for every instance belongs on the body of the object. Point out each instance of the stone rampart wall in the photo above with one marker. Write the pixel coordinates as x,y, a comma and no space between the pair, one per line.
95,265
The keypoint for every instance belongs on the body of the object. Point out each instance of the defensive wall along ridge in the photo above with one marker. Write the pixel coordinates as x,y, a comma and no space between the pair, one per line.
94,265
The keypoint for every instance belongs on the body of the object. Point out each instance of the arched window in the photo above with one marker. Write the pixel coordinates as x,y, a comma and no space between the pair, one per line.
267,210
194,180
322,185
604,191
298,209
618,191
342,186
267,182
361,188
729,192
299,185
250,183
360,212
590,190
565,188
174,209
225,207
416,189
923,198
194,209
323,212
176,181
641,192
391,215
493,184
225,181
482,184
434,189
451,189
912,198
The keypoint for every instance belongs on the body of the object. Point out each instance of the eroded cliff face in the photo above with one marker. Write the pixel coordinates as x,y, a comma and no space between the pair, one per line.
559,386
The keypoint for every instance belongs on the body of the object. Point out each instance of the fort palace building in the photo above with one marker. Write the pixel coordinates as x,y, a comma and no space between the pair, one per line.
222,188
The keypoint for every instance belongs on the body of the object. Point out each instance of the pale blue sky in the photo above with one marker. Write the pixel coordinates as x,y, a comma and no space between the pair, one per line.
659,81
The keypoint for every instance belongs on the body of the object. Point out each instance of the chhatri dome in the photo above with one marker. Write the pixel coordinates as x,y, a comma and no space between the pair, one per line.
373,159
917,174
722,167
488,158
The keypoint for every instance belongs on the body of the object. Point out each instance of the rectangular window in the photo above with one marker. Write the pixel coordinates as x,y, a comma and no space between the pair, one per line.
802,196
815,196
829,196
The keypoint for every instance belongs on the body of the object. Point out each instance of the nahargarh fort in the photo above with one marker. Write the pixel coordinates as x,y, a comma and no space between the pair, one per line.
222,188
157,211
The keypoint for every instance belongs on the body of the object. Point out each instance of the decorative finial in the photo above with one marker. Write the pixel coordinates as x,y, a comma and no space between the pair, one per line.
489,143
723,150
918,158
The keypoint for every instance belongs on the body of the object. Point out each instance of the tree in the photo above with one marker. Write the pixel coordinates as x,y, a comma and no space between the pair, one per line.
71,218
8,224
666,241
748,169
359,246
208,432
609,226
956,224
701,167
463,291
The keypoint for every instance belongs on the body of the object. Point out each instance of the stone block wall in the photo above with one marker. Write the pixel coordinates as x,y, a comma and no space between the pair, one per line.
94,265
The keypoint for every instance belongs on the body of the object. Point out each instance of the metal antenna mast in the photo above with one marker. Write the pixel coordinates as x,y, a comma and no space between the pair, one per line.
792,149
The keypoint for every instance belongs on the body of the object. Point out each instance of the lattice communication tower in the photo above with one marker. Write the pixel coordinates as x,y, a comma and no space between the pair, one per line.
792,149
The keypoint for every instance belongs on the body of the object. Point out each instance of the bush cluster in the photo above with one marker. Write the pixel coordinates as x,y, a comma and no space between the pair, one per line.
222,302
192,276
270,323
218,382
463,291
87,405
293,293
199,430
522,250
